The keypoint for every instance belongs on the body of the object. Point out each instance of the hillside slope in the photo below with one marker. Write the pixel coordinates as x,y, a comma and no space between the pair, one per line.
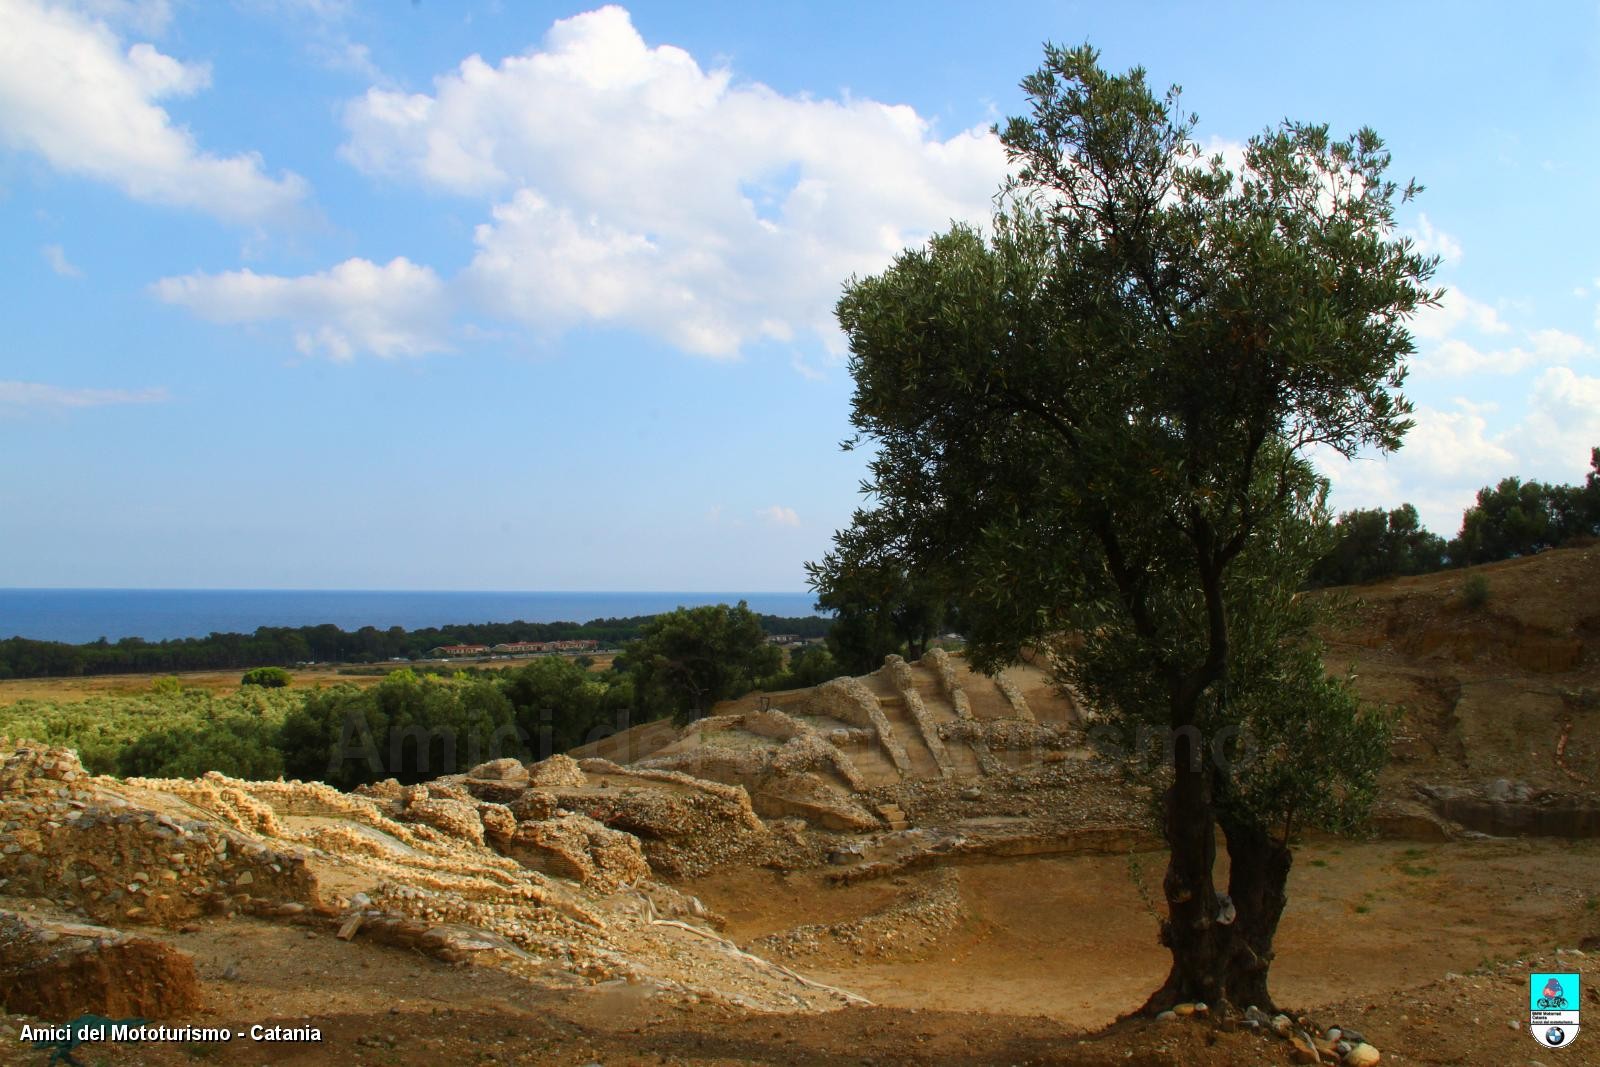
1501,702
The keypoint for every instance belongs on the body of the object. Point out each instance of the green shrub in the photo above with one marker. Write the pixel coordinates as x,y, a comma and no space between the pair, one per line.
266,677
806,667
102,728
405,727
1475,591
241,746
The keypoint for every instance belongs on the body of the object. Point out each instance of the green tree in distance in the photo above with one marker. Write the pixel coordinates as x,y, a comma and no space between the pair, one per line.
1517,518
687,660
1095,419
882,603
266,677
1371,543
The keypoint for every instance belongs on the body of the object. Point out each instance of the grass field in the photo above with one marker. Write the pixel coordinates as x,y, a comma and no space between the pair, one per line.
71,690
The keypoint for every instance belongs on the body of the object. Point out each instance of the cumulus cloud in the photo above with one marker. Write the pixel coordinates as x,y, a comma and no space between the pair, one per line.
630,186
1456,311
1450,444
73,95
778,515
33,396
59,262
1562,425
1454,357
397,309
1450,454
1431,241
1446,458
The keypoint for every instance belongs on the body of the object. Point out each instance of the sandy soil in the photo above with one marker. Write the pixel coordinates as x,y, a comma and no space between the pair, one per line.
1433,971
1071,937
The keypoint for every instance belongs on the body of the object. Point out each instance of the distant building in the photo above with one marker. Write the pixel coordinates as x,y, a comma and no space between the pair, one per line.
783,639
521,648
459,650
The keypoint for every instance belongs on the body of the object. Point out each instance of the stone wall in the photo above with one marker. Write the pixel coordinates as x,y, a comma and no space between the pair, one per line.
906,682
944,669
845,699
810,752
1014,697
62,838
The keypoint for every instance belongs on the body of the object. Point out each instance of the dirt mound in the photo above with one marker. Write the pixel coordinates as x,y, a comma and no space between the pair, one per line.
428,868
1508,690
61,970
578,847
912,924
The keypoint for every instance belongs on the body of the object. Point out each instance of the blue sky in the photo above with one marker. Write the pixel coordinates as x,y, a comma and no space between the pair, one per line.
322,294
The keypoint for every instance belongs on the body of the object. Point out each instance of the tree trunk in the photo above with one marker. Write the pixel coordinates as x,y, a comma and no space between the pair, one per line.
1201,947
1258,885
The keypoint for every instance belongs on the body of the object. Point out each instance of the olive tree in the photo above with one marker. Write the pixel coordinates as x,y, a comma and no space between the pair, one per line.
1096,418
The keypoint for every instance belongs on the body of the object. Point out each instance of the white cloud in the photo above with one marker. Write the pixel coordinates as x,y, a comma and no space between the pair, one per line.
143,16
1559,346
1455,357
1431,241
71,93
398,309
1445,459
1449,455
23,396
1455,311
1562,425
632,187
159,75
337,53
58,261
1452,444
1232,152
778,515
806,370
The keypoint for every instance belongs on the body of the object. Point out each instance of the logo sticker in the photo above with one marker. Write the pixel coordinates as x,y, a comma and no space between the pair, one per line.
1553,1001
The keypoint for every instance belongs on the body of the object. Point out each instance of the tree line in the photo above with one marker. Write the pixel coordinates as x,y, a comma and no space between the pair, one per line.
415,725
1513,518
286,646
881,603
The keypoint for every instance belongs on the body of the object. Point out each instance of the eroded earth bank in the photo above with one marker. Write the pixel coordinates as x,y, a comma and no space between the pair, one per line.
923,865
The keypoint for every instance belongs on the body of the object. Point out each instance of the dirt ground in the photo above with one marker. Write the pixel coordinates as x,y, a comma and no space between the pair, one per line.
1424,947
1071,937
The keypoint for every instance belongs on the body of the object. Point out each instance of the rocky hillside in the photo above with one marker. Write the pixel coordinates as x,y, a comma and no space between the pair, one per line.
1500,699
557,872
577,876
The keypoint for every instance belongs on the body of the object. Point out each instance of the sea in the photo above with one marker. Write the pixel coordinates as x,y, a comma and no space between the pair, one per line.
82,615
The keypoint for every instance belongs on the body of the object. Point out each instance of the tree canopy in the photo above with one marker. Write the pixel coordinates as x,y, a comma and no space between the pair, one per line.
266,677
1517,518
687,660
1094,417
1372,543
882,602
